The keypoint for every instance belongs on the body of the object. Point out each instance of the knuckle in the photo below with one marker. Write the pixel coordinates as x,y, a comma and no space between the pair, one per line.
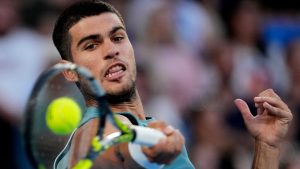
275,110
160,123
271,91
146,151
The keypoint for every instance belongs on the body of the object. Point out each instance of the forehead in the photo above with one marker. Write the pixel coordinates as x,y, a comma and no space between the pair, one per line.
98,24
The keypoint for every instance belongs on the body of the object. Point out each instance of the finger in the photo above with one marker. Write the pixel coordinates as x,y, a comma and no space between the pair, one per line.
166,150
277,102
275,111
152,152
260,108
179,141
162,126
149,152
157,125
261,99
165,145
168,130
269,93
165,154
244,109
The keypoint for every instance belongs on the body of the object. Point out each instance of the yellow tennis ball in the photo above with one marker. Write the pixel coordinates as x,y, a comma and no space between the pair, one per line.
63,115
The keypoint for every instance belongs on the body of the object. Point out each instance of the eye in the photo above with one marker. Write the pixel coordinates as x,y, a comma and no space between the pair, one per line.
90,46
118,38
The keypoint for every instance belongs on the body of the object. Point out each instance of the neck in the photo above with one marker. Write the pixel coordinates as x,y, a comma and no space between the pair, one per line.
134,106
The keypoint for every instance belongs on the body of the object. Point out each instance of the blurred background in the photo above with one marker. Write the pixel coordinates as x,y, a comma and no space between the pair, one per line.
194,57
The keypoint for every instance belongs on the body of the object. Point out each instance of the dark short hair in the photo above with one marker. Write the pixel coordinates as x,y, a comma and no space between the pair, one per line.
73,15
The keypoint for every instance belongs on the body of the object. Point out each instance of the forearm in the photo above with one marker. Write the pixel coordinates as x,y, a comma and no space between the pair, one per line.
115,157
265,156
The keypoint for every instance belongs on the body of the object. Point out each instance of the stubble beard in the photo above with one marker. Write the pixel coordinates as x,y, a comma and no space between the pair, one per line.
124,95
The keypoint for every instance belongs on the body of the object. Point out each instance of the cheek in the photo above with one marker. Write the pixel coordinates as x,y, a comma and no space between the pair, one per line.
130,52
132,59
90,62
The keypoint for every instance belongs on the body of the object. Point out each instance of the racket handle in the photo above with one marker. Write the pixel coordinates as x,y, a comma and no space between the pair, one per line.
146,136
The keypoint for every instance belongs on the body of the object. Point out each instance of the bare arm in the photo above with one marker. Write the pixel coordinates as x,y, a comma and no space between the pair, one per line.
269,127
118,156
265,156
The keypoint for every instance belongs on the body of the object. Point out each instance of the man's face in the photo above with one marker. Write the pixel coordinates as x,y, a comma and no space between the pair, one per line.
100,43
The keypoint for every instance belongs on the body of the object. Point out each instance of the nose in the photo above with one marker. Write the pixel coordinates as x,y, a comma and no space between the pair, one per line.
111,50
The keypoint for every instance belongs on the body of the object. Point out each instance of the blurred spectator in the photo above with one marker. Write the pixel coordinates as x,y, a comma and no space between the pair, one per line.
280,29
197,24
22,59
176,73
293,62
18,63
250,74
209,145
292,154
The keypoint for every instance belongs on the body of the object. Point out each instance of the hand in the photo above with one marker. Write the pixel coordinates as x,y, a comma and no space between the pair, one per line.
270,125
167,149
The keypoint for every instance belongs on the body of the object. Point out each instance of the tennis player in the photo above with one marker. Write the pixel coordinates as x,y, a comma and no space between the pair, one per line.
93,34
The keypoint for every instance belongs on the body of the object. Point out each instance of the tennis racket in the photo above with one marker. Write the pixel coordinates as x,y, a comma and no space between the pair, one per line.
41,144
99,144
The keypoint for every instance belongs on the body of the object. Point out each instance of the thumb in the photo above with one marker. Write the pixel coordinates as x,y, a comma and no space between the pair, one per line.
244,109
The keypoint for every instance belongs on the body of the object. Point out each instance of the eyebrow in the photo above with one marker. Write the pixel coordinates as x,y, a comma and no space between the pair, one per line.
115,29
94,36
97,36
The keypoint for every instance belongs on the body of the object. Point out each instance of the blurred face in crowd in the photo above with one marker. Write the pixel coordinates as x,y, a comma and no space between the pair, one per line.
293,58
8,15
246,22
100,43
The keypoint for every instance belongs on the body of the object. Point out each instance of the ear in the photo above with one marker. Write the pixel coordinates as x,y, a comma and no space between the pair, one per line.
68,74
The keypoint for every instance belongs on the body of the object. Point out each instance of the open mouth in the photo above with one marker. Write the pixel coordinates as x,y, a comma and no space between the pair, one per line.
115,71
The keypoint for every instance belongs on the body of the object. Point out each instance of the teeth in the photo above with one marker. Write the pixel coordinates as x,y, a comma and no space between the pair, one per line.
114,73
114,70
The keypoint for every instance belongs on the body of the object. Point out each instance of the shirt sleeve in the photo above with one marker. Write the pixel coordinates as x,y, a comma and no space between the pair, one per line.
181,162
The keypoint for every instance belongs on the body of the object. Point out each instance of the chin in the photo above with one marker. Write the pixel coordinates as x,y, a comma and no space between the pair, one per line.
122,94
